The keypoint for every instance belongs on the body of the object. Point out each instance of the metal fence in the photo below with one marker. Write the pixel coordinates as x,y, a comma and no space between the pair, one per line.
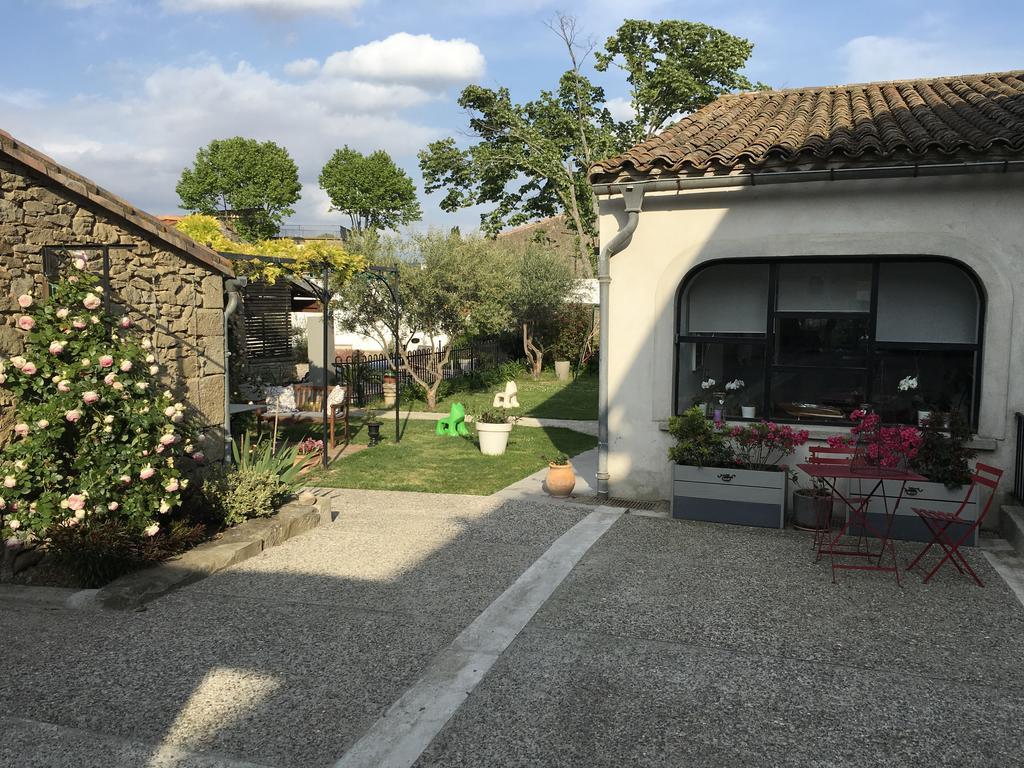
363,373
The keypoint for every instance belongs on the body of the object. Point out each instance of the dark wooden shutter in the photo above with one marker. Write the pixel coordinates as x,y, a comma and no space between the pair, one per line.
268,320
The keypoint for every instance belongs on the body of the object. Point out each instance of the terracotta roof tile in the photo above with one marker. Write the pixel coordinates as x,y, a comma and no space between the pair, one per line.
931,120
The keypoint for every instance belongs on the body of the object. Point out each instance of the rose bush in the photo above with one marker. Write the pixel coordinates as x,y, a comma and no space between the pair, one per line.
93,441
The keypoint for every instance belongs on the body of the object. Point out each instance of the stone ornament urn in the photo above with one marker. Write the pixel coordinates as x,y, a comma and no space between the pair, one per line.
390,386
561,479
493,437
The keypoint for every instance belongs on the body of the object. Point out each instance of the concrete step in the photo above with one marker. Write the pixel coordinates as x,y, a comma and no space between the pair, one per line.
1008,562
1011,526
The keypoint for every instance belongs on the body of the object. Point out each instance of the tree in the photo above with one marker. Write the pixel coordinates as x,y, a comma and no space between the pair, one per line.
374,192
449,288
541,283
254,184
673,67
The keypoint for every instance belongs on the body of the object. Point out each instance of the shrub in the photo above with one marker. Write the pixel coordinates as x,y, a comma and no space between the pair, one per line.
261,480
494,416
104,549
94,441
944,458
698,442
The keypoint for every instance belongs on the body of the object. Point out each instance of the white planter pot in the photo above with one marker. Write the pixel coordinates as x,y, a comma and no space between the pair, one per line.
736,496
562,370
748,411
493,438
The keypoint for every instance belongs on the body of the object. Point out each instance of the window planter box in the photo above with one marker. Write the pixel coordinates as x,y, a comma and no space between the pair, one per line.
735,496
907,525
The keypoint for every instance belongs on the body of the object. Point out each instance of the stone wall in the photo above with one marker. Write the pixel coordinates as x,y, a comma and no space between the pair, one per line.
174,298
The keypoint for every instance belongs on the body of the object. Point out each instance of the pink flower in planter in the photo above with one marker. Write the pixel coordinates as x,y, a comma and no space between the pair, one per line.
76,501
73,415
28,369
78,323
63,386
25,301
91,301
21,430
106,361
90,397
147,472
151,530
26,323
126,322
56,347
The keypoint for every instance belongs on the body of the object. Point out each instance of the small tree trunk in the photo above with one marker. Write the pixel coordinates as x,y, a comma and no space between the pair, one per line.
534,354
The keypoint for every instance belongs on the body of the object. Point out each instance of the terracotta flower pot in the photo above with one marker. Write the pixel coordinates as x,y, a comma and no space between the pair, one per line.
561,480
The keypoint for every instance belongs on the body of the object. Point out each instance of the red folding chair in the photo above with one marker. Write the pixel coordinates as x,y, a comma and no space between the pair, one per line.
836,456
939,523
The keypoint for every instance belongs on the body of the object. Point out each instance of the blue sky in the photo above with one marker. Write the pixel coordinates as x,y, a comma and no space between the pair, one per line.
125,91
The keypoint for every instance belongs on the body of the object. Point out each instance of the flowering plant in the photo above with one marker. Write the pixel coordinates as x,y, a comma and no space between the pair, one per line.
707,384
907,384
764,444
889,447
735,385
92,438
310,446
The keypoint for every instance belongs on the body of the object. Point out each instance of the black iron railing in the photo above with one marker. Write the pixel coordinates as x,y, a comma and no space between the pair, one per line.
364,373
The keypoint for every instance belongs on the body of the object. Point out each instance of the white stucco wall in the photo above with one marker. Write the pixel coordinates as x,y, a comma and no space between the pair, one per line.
977,220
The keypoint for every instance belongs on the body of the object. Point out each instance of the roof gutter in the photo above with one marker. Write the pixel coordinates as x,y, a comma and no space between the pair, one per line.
683,183
633,195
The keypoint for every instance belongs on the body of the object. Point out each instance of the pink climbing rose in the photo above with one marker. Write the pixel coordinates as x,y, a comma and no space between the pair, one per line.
73,415
126,365
29,368
76,501
147,472
21,430
90,397
26,323
106,361
25,301
56,347
91,301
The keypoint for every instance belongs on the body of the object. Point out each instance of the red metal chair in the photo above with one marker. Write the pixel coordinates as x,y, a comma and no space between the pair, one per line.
835,456
939,523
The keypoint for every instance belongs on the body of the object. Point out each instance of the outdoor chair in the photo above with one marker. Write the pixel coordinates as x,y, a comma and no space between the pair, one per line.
308,398
839,456
939,524
508,398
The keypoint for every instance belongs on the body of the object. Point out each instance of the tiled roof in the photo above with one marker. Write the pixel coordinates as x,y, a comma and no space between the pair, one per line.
118,207
934,120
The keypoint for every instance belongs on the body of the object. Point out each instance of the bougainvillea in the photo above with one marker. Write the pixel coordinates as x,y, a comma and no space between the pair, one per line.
95,437
891,447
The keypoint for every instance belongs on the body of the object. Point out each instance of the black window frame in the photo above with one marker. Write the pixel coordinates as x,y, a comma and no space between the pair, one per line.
768,339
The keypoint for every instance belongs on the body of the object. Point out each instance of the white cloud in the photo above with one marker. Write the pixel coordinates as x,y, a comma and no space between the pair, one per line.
873,58
302,67
405,58
276,7
621,109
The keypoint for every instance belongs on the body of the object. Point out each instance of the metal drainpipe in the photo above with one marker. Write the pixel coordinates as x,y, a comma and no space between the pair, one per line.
232,288
633,196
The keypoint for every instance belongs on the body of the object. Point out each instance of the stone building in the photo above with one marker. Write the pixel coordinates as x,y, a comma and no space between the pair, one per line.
172,287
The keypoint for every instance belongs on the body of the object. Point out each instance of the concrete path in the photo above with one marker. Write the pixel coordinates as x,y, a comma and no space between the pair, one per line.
585,466
434,630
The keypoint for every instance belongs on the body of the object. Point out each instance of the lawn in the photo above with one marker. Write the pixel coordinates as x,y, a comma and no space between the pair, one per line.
545,398
429,463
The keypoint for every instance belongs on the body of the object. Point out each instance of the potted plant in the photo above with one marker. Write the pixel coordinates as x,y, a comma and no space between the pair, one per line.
308,454
736,386
493,427
812,506
730,475
372,427
561,477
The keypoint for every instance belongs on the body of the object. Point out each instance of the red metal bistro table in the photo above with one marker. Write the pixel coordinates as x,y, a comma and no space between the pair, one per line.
858,506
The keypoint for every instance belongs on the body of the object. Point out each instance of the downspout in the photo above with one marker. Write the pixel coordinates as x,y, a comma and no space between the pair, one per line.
232,287
633,196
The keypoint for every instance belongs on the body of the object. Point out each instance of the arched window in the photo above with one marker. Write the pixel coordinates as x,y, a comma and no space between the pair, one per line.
810,340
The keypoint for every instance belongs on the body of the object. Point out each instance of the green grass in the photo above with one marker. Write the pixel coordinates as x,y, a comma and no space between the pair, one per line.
545,398
430,463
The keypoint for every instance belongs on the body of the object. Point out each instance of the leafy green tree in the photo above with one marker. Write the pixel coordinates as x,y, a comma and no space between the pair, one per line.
673,67
374,192
251,183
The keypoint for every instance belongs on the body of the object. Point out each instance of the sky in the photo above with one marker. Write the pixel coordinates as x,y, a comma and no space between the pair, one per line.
126,91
